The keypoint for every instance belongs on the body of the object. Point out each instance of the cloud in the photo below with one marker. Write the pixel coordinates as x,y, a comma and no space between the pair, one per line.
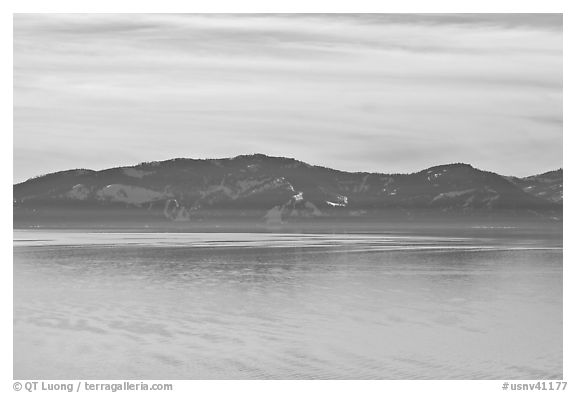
377,92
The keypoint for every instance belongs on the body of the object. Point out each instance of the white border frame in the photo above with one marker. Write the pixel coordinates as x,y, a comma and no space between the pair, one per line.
303,6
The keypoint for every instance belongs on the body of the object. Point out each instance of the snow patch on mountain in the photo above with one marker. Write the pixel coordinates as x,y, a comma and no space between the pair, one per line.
79,192
485,197
173,211
248,187
433,176
341,201
489,201
451,195
294,207
242,189
129,194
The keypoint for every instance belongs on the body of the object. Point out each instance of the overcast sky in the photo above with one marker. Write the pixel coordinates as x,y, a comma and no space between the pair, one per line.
386,93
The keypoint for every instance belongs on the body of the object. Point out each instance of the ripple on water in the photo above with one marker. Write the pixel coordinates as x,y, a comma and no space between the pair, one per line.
272,306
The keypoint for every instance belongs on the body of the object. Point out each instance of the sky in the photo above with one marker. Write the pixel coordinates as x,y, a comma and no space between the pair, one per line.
360,92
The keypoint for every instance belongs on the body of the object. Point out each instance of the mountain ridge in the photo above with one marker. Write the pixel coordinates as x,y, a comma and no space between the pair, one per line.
262,155
276,189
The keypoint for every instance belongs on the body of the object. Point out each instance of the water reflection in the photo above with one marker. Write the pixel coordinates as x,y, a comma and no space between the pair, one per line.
112,308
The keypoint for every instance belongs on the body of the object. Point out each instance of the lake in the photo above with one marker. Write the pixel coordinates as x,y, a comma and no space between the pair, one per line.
286,306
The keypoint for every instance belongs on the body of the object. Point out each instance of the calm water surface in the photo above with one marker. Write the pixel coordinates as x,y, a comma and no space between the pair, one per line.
244,306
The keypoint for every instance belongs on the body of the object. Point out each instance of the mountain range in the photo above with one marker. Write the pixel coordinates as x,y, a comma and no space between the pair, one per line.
275,190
